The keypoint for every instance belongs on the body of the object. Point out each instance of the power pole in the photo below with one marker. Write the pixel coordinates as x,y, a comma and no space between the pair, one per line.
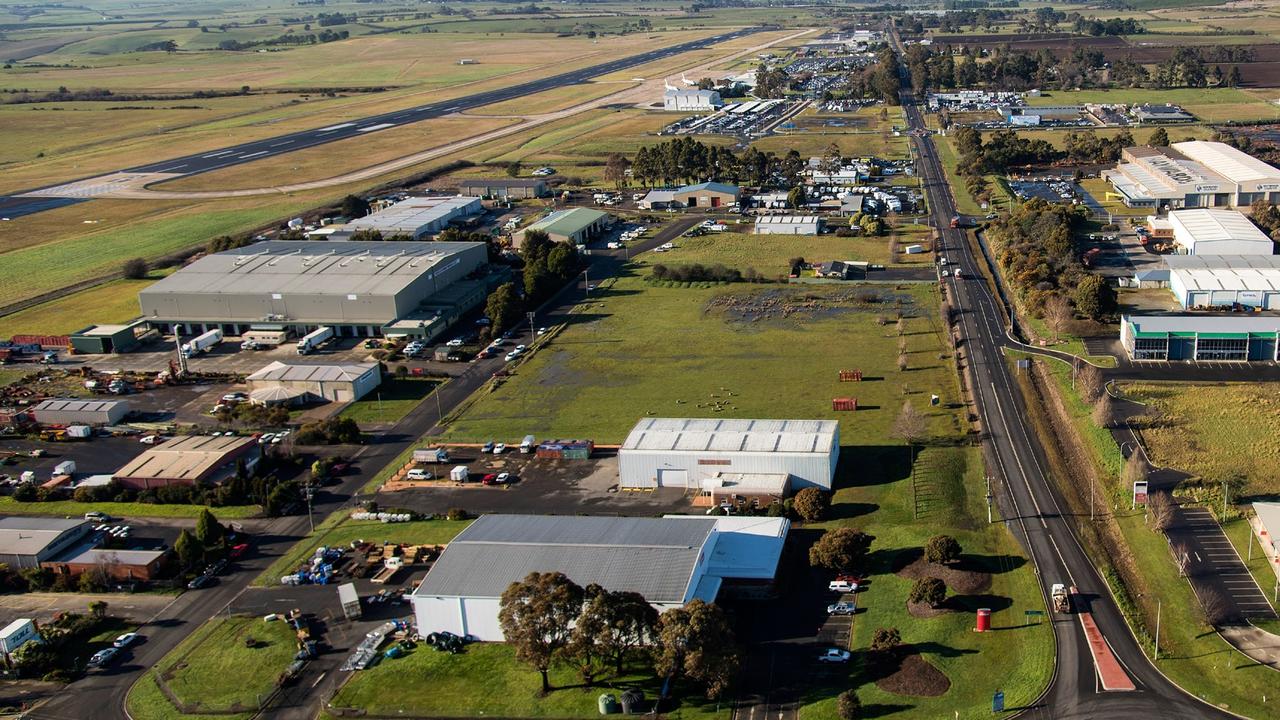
1158,604
990,497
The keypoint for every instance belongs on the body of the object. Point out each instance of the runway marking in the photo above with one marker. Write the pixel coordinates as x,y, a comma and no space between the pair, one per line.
286,142
218,154
331,128
379,126
171,169
260,152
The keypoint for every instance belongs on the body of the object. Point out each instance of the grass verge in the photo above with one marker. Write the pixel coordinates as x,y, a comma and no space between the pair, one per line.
71,508
391,401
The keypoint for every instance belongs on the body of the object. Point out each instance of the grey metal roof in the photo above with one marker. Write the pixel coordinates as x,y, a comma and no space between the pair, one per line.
652,556
1204,323
312,372
30,535
61,405
314,267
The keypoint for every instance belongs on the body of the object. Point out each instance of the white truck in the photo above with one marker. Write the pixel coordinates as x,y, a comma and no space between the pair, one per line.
201,343
66,467
1060,597
314,339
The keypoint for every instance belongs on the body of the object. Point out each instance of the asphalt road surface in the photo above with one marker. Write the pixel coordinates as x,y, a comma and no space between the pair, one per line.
1033,510
13,206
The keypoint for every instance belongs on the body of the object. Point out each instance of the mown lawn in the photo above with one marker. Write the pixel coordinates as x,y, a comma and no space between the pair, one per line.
640,349
338,531
486,680
391,401
1214,430
1017,657
214,670
71,508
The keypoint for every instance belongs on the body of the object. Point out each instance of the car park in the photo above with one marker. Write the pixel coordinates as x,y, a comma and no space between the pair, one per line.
834,655
125,640
103,656
521,348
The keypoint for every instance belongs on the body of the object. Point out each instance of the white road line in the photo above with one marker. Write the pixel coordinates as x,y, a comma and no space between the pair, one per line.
286,142
379,126
217,154
260,152
331,128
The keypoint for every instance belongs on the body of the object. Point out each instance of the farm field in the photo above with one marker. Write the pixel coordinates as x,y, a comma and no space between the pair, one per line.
1207,104
993,573
113,302
643,349
1213,431
337,530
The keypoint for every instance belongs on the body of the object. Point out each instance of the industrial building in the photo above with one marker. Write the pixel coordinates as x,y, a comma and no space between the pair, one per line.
504,187
670,561
1199,281
1210,337
189,460
1217,231
1268,514
417,217
704,195
1039,115
358,288
304,382
789,225
80,412
1154,114
103,339
1192,174
683,453
25,542
119,565
576,226
678,100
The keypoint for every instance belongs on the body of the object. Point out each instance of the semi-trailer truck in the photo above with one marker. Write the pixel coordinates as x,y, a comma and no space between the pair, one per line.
314,339
201,343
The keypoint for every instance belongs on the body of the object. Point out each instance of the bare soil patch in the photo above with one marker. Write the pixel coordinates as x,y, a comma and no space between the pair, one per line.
915,677
802,304
958,580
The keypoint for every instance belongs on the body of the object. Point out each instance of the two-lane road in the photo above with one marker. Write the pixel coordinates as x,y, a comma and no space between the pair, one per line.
1031,502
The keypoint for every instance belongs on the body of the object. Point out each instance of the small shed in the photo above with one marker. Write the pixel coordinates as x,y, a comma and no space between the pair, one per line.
80,412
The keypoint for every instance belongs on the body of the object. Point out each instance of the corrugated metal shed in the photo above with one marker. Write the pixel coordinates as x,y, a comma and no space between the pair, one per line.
740,434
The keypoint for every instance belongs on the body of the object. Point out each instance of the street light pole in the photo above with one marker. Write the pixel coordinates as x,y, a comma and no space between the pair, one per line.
1158,604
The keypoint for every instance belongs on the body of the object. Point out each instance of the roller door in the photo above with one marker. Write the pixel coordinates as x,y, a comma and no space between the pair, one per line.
1197,299
1271,301
673,478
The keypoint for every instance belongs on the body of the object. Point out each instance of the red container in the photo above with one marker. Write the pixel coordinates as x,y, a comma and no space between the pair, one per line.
984,620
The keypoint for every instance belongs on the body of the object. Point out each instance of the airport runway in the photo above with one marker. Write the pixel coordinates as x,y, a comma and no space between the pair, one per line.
17,204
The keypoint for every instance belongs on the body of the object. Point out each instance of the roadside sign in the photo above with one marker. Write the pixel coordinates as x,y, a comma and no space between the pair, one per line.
997,702
1139,492
1034,612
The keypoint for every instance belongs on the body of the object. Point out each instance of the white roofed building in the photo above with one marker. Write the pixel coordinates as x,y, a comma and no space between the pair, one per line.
680,100
789,225
417,217
1199,281
344,382
691,452
1192,174
1206,231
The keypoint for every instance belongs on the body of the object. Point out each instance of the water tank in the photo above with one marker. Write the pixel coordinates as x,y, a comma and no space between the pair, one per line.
984,620
608,704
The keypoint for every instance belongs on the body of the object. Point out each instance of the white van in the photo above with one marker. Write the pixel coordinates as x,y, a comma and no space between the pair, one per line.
528,445
418,474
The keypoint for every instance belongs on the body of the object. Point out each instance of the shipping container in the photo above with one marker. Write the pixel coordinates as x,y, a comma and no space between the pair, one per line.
566,449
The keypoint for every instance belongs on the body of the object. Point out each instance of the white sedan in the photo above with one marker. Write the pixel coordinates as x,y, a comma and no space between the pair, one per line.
834,655
125,640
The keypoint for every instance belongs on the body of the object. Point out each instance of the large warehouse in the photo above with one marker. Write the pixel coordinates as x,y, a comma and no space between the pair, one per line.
1198,281
1192,174
688,452
80,412
417,217
189,460
355,287
670,561
1212,337
504,187
1218,232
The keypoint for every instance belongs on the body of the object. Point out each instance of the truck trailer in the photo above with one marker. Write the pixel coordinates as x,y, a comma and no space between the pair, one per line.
314,339
201,343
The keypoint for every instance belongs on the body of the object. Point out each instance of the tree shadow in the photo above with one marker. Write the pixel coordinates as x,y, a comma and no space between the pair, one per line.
846,511
992,564
933,648
972,603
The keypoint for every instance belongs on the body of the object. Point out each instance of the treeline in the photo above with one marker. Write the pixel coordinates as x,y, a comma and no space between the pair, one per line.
698,272
1002,150
324,36
1113,26
1003,69
1034,248
547,267
688,160
1090,147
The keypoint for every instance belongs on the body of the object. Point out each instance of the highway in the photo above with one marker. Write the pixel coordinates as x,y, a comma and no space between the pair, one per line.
1032,506
14,205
